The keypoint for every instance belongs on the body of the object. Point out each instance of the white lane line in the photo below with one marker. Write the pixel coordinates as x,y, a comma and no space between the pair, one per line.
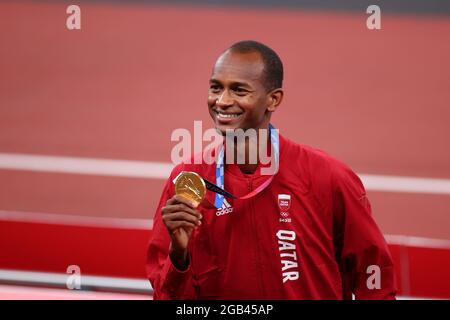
420,242
147,224
161,170
405,184
76,220
87,282
32,292
91,166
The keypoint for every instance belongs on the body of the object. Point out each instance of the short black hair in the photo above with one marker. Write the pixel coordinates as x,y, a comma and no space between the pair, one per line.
273,67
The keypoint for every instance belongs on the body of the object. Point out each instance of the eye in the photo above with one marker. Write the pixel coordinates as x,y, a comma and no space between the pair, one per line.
215,88
240,91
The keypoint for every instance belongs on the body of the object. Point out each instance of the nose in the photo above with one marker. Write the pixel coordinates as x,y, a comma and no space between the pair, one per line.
224,100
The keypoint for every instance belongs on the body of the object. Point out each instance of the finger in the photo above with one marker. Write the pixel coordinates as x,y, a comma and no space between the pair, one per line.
174,225
180,199
181,216
180,207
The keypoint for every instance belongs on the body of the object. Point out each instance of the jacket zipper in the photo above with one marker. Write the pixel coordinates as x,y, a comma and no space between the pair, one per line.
256,242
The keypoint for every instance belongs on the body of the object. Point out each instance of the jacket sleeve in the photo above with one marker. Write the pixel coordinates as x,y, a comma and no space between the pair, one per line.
167,281
365,262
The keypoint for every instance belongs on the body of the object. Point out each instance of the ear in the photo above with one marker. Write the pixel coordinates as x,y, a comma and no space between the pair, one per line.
275,97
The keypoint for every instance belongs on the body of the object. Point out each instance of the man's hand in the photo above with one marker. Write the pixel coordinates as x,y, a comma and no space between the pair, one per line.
180,218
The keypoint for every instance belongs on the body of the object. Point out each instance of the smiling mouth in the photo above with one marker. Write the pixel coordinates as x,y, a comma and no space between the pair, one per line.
227,115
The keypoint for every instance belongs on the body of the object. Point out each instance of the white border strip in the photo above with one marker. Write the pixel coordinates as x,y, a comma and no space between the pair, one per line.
87,282
162,170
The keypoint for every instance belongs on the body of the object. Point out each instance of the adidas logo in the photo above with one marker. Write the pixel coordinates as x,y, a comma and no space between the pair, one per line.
226,208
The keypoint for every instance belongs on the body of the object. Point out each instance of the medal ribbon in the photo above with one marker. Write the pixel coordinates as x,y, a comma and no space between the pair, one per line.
220,168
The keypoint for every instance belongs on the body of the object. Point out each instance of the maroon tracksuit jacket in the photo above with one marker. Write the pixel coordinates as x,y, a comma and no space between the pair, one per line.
308,235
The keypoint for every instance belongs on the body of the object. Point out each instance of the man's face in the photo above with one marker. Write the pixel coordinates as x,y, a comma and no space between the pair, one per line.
237,97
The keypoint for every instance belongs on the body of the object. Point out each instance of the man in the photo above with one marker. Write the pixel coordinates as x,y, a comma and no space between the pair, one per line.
307,233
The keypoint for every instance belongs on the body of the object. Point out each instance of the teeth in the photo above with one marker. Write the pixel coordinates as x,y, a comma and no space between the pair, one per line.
227,115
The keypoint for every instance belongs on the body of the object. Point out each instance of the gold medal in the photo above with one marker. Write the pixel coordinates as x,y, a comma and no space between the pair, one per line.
190,186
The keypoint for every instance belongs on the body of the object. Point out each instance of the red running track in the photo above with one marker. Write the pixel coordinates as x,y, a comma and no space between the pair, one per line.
378,100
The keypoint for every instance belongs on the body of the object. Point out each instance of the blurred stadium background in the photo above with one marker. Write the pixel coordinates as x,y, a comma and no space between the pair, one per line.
86,118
